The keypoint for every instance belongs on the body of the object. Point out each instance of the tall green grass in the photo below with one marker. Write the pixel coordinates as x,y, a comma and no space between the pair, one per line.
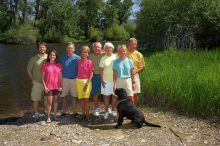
188,81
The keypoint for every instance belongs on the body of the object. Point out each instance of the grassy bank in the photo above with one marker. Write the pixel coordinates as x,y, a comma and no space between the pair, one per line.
189,81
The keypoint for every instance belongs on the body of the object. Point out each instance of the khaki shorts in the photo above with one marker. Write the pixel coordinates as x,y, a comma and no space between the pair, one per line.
137,84
37,91
69,86
126,84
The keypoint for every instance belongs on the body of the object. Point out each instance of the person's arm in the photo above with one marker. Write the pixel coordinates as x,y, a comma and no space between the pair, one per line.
45,87
30,75
138,70
88,81
115,77
61,82
101,70
30,70
132,78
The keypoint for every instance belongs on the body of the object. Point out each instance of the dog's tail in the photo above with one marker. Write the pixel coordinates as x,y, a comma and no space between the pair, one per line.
151,125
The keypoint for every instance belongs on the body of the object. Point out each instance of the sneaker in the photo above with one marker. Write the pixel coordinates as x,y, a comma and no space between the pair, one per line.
109,110
96,112
36,117
113,113
106,115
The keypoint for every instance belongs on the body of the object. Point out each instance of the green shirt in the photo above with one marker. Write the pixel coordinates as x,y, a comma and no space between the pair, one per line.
96,61
34,65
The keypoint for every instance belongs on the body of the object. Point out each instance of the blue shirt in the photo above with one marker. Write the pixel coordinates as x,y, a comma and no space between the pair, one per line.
69,64
123,67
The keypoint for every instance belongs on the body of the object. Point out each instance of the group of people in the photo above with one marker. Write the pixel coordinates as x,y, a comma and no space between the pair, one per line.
84,76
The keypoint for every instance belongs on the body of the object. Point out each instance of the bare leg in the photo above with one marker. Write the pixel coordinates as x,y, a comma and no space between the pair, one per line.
36,106
96,100
135,99
49,106
82,104
64,102
131,98
55,105
87,107
114,101
106,102
74,102
45,104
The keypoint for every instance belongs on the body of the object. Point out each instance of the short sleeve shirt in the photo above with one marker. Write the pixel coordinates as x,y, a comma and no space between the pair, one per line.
69,64
123,67
85,67
52,75
34,65
137,58
106,63
96,61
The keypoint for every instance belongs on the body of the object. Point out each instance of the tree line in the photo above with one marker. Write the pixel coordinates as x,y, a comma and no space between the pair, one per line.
179,23
159,23
52,20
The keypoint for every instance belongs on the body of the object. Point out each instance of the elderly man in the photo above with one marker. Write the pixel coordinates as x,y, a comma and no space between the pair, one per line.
139,64
69,64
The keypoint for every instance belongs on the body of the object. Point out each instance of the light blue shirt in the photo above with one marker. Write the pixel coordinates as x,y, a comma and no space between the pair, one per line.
123,67
69,64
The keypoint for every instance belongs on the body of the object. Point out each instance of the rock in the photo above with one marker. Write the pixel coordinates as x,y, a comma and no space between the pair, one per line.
49,137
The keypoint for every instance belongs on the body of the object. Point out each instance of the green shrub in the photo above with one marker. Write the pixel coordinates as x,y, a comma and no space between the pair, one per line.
22,34
53,35
116,33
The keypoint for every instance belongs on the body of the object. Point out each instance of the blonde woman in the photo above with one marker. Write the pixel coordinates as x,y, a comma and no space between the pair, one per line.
83,82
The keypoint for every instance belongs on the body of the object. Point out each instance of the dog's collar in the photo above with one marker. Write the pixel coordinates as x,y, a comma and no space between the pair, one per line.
122,100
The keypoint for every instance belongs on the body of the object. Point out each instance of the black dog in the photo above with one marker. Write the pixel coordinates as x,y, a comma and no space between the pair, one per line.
127,109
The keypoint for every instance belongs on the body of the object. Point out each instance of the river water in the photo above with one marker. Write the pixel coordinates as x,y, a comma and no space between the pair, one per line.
15,86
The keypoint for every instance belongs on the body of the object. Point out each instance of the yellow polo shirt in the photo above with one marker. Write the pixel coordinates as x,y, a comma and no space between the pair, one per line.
137,58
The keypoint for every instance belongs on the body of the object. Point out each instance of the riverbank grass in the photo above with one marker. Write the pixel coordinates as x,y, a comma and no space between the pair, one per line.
188,81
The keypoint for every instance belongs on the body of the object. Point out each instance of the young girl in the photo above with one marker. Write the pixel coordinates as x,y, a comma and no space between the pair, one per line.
83,81
52,76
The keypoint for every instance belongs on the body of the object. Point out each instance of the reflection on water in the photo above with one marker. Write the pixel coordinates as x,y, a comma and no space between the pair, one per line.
15,85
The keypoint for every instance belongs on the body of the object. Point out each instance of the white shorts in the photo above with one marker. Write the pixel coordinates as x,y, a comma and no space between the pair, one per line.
108,90
126,84
69,86
137,86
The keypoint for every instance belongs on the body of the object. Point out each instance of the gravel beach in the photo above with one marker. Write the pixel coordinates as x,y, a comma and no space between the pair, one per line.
176,130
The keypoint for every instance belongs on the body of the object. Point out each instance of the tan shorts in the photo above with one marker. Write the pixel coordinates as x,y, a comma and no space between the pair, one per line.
137,84
69,87
126,84
37,91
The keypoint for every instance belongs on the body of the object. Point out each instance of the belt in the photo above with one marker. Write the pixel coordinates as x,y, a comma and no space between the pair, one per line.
70,78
